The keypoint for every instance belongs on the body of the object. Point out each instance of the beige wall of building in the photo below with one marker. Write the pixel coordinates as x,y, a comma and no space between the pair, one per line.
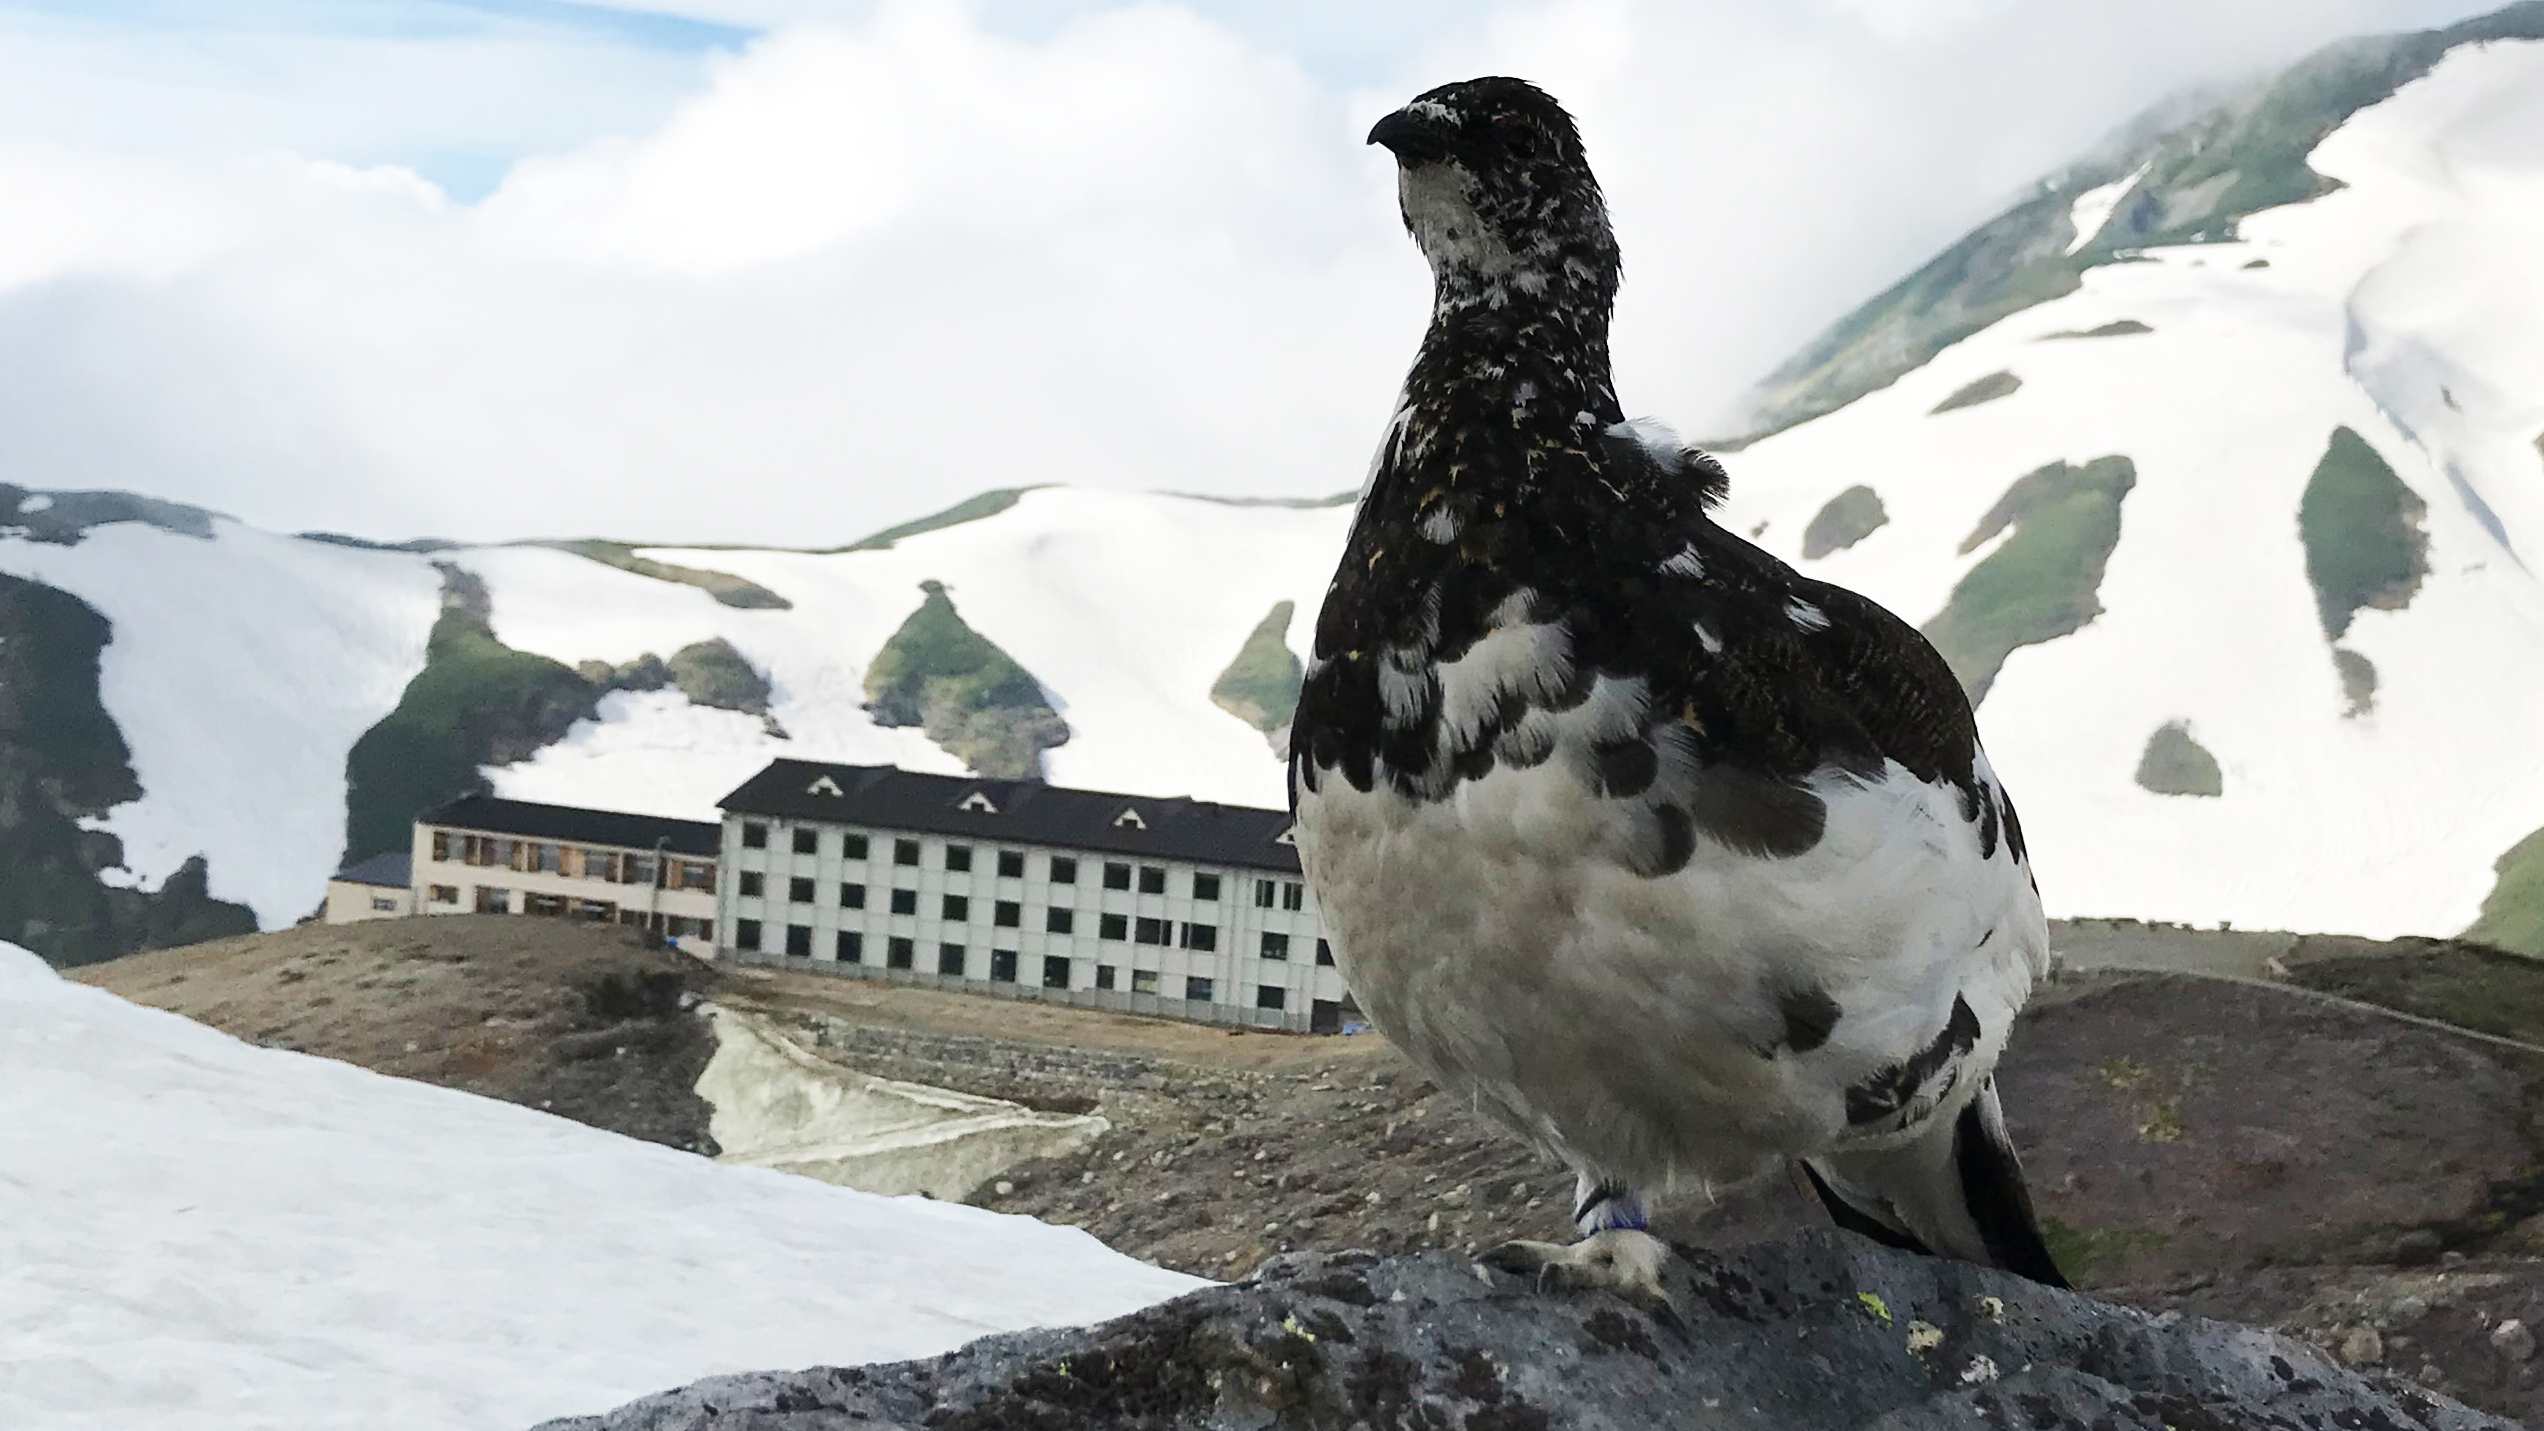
351,902
461,871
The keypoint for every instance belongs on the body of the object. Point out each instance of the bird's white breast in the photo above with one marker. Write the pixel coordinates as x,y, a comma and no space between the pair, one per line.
1631,1024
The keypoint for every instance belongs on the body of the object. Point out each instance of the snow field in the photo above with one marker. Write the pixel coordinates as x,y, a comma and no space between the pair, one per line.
202,1235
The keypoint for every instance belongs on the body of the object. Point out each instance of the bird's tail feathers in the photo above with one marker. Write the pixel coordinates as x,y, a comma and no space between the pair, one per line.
1958,1190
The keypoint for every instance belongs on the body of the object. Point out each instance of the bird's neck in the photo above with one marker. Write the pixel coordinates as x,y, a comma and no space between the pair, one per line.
1525,366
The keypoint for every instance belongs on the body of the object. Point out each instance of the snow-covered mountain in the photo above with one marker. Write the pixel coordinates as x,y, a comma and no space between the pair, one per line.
210,1235
2306,602
2213,466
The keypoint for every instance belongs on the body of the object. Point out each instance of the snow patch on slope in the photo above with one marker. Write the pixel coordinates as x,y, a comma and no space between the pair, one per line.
207,1235
241,670
2093,208
777,1106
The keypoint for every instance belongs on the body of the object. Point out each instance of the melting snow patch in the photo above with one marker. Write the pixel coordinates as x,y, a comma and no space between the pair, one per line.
2094,207
206,1235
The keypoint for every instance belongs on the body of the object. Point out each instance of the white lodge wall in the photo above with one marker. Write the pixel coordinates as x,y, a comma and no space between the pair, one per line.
1078,926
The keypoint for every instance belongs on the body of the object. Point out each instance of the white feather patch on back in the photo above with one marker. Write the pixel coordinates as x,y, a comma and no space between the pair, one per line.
1531,660
1656,437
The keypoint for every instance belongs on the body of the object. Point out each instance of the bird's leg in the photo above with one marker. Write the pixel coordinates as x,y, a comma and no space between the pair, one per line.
1616,1253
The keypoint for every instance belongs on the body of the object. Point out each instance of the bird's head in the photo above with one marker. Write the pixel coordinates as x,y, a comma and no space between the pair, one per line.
1497,193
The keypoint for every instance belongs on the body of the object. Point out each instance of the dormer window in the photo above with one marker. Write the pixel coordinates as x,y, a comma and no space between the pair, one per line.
824,785
977,801
1129,820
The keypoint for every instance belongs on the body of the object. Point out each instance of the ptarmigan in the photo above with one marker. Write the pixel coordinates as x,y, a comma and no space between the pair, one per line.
1677,862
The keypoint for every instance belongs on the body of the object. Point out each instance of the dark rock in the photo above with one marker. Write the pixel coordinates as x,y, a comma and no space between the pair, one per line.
1817,1332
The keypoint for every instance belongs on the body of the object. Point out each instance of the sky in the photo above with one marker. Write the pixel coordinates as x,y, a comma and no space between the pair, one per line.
790,271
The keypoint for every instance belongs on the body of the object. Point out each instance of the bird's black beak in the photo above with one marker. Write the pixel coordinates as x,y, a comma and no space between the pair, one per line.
1413,139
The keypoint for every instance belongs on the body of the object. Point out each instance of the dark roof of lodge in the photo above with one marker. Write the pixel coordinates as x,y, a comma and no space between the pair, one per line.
394,869
570,824
1020,812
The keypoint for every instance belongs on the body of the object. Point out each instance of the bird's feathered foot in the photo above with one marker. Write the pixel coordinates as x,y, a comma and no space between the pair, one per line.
1621,1260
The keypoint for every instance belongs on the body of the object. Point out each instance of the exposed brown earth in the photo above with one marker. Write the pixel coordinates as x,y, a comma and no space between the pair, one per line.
585,1021
2241,1149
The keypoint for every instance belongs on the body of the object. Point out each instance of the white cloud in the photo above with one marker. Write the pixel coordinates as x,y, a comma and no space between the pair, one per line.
869,265
862,273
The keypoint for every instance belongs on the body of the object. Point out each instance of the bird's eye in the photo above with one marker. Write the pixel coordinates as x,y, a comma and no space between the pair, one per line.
1516,134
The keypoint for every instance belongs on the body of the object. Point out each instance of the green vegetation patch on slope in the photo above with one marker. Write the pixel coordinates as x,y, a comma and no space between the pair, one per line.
712,673
971,698
2043,582
62,518
2124,328
2175,764
2361,527
1261,686
709,673
724,586
2205,167
2358,681
970,509
477,702
1986,389
418,545
2001,268
2513,913
1849,517
61,760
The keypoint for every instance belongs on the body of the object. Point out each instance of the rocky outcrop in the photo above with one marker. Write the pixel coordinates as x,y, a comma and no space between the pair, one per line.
1818,1333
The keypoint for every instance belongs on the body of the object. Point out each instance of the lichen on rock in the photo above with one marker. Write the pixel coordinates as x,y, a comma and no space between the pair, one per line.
1348,1339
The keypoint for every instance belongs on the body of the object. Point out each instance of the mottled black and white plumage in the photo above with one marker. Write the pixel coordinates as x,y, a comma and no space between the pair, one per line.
1681,864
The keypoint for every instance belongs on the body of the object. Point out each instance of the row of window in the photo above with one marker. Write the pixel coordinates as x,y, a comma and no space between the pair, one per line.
493,900
1162,933
954,961
572,861
1060,869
